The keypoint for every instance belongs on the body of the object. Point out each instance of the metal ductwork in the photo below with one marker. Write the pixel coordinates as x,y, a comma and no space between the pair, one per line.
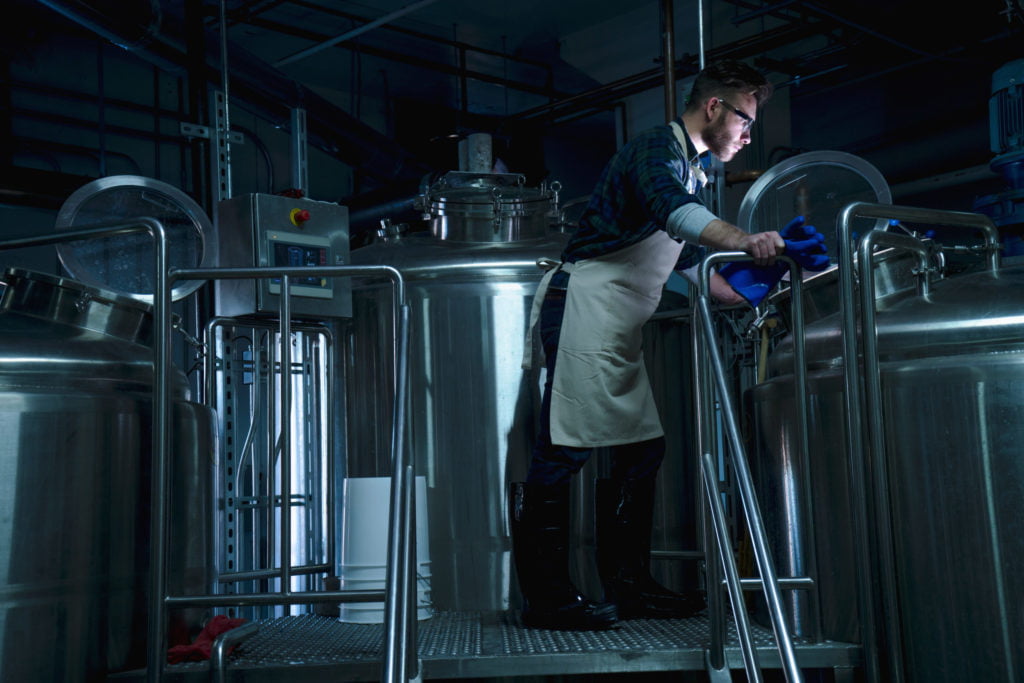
158,36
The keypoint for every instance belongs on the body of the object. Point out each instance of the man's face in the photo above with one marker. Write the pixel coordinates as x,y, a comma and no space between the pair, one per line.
729,128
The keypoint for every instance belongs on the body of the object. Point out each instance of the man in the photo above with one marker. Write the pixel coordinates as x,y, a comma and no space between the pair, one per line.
643,221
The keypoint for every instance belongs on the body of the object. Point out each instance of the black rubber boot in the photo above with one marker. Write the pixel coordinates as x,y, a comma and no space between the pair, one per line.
625,513
539,518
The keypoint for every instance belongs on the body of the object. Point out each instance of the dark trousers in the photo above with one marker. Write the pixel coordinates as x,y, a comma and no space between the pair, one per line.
553,464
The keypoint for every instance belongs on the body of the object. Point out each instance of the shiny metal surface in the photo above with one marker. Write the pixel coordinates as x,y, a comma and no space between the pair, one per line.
244,387
487,207
400,627
892,271
941,478
473,410
76,408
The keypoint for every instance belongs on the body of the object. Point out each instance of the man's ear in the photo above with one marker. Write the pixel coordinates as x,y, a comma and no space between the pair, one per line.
709,108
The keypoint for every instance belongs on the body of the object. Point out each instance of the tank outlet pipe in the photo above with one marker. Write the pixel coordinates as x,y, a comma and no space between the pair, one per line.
748,497
860,457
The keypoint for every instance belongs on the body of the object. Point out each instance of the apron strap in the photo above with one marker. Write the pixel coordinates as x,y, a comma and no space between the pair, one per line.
538,301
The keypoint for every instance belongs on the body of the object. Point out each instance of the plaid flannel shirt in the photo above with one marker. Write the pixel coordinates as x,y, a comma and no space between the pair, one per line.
644,182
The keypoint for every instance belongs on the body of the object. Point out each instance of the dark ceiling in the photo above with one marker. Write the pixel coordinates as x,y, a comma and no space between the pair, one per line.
500,65
923,69
427,46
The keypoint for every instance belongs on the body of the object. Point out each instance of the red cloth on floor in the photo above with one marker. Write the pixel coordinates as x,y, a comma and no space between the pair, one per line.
201,647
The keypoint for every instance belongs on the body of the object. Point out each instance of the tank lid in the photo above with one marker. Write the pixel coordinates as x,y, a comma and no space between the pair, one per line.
67,301
125,263
488,207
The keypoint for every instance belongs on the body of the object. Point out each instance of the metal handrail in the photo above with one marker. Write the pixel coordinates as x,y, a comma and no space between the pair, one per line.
400,662
245,450
862,457
748,497
398,623
222,646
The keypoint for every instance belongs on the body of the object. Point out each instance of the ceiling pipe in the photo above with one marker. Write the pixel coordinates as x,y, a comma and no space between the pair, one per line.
349,35
127,30
668,39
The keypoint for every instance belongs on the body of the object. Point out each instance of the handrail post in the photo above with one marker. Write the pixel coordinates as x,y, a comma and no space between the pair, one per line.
399,646
748,497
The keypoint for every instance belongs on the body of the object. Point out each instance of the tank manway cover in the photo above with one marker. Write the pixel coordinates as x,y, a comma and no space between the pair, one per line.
817,185
125,263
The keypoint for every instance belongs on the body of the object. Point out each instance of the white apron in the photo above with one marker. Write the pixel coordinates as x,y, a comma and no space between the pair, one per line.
601,395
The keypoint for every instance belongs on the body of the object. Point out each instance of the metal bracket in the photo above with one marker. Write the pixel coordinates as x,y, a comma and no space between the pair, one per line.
193,130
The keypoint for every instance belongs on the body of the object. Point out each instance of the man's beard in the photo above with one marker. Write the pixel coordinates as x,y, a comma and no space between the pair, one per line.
719,142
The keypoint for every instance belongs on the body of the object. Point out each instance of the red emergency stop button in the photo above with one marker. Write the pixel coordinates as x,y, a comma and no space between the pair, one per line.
299,216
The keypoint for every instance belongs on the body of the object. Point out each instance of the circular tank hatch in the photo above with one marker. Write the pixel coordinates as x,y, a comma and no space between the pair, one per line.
124,263
818,186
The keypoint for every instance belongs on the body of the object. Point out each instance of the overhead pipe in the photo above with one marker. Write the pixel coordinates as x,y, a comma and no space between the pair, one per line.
122,26
668,37
349,35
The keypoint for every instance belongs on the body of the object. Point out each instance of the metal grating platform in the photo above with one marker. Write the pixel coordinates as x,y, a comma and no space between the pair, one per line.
469,645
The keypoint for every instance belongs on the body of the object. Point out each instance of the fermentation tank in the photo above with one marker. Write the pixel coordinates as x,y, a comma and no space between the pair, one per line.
76,385
951,377
818,186
473,410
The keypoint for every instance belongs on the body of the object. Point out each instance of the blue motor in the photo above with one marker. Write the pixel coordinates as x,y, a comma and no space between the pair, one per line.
1006,121
1006,134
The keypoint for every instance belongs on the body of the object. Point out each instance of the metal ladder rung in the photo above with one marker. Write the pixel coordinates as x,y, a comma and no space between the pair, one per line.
784,583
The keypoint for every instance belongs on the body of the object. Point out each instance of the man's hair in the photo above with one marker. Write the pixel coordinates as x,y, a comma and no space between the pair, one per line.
726,78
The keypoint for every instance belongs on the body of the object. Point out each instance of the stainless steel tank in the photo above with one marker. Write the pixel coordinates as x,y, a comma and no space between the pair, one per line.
473,410
952,384
76,381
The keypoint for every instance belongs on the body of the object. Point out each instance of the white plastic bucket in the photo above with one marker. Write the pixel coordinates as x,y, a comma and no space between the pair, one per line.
364,546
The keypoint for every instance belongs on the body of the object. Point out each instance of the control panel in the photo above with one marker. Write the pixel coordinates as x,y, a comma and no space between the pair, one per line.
261,230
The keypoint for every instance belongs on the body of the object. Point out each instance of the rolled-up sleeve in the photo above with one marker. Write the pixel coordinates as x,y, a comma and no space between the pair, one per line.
660,175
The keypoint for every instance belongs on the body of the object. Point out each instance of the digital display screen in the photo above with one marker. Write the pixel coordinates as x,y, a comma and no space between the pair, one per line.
299,255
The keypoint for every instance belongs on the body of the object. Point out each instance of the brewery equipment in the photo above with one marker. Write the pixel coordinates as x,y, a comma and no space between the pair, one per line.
472,409
256,230
937,491
76,409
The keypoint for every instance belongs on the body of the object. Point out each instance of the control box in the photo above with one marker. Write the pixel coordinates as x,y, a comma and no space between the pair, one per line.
262,230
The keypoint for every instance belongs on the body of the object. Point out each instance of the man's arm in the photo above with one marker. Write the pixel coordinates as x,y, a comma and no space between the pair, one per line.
763,246
694,223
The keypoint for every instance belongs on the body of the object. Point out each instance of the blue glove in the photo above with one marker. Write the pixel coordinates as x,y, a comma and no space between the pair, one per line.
804,244
796,229
751,281
810,253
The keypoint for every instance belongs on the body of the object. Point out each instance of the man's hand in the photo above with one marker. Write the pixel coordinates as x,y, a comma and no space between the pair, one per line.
763,246
723,293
